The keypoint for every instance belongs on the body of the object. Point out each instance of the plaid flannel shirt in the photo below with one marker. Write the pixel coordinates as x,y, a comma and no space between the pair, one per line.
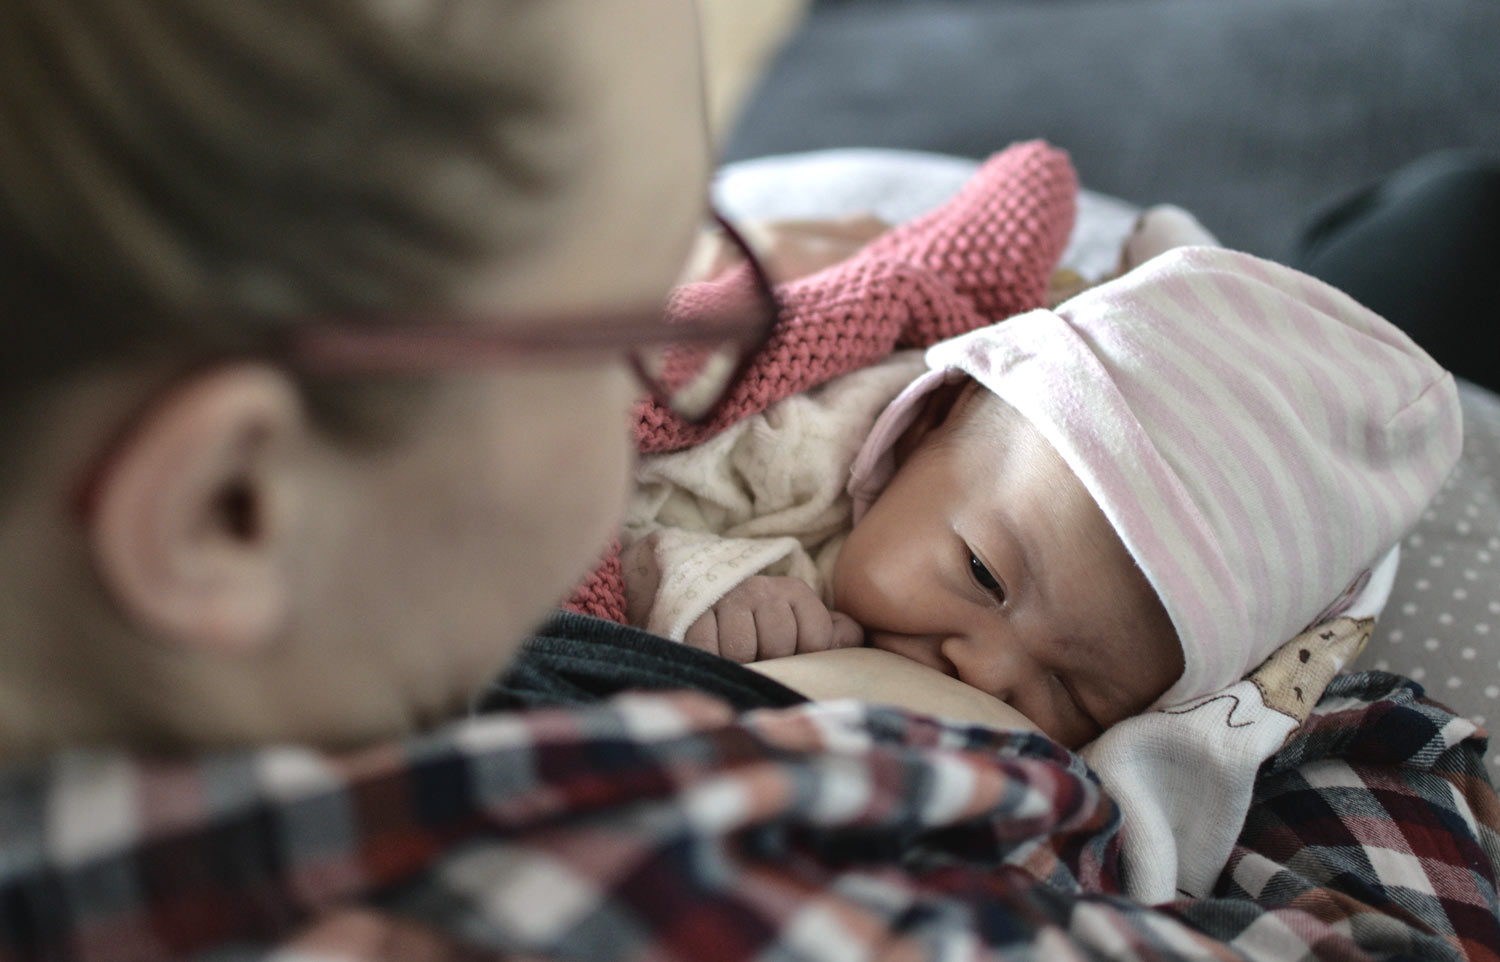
667,827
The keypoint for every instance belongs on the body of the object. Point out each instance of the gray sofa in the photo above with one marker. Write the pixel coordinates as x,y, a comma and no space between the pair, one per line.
1251,113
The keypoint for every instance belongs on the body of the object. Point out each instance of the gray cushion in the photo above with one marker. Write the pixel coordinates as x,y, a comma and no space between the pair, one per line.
1250,113
1441,626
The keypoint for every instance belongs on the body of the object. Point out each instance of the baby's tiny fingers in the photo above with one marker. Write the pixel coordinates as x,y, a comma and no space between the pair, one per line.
703,634
847,632
775,629
737,640
814,632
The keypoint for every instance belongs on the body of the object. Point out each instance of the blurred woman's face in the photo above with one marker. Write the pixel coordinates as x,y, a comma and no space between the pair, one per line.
460,538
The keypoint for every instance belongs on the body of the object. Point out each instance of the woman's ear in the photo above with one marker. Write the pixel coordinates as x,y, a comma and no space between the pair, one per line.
194,512
936,409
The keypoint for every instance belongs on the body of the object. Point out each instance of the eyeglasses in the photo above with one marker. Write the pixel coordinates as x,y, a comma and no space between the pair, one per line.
689,353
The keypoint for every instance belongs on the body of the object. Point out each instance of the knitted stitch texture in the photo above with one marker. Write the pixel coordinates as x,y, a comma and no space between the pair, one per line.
985,255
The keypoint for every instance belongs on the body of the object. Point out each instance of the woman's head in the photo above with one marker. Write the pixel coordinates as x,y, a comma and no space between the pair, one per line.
184,180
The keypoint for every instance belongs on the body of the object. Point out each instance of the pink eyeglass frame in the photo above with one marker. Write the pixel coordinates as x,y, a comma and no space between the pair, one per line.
336,349
331,348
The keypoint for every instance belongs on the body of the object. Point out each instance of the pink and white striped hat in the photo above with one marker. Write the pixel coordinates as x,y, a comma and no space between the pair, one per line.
1257,438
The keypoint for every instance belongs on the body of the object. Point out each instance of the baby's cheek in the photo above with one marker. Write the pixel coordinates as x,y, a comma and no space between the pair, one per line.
839,587
851,587
861,587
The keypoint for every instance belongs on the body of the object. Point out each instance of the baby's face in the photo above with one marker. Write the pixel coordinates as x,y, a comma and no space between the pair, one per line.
986,558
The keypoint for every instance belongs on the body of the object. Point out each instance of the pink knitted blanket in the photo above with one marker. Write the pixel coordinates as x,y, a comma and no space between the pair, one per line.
984,256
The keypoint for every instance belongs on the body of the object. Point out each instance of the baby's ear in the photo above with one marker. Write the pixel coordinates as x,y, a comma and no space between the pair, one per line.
937,407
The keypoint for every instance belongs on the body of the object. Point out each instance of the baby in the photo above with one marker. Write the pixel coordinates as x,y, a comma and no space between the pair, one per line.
1122,503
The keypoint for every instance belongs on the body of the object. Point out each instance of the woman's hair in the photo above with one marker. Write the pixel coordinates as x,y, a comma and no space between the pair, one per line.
186,175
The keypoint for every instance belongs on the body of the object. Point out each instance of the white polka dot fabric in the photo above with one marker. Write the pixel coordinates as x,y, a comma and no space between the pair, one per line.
1442,624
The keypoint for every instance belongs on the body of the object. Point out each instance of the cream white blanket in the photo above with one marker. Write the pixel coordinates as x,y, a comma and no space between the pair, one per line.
765,496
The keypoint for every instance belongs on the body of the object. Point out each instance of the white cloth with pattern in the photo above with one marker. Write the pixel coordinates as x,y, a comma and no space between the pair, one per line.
768,495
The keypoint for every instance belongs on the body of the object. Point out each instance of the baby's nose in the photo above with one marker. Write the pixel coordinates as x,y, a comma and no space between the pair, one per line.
994,669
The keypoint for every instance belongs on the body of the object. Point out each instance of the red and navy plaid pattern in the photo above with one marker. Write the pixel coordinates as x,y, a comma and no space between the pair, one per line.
665,827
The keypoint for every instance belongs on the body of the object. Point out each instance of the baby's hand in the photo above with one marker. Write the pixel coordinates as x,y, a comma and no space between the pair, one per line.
767,617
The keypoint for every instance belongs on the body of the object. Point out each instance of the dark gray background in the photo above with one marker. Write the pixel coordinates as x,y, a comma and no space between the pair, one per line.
1250,113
